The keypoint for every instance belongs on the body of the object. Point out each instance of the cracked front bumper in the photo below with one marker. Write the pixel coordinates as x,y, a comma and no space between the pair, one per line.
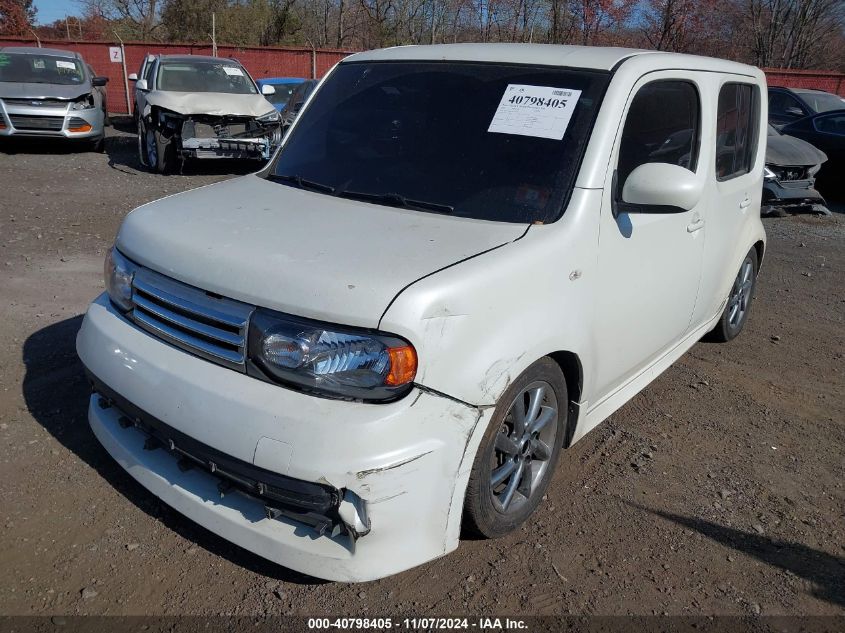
407,461
256,148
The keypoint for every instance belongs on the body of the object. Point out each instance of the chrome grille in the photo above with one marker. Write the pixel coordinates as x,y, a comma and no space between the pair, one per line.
22,122
37,103
204,324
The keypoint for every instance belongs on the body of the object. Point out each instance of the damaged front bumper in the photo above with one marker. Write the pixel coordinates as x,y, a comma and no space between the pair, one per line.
228,138
338,490
791,196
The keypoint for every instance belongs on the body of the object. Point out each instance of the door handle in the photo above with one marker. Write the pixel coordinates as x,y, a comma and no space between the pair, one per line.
698,224
745,203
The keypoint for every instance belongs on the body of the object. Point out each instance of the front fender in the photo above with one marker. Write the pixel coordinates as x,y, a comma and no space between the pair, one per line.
480,323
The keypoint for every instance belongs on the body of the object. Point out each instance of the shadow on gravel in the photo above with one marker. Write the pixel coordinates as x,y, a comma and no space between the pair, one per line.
824,570
38,146
57,393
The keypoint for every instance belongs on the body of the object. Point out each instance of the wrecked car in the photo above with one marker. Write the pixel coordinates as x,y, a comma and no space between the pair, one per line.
297,99
461,260
826,132
789,176
51,93
192,106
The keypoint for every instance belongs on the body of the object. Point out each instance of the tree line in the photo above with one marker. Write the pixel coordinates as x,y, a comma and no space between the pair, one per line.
781,33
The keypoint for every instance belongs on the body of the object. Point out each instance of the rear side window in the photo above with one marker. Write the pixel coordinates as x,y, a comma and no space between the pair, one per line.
832,124
662,127
736,130
780,103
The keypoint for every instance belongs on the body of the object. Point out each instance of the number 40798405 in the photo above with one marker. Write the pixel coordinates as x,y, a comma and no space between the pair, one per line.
537,101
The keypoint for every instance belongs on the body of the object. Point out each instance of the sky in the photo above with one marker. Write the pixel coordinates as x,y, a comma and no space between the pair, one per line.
51,10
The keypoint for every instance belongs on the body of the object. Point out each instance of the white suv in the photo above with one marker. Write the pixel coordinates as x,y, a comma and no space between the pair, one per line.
462,259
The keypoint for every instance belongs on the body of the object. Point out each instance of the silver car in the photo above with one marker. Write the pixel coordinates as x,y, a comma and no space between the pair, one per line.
48,92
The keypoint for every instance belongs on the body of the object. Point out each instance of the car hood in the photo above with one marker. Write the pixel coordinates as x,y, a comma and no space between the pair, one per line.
300,252
18,90
213,103
790,151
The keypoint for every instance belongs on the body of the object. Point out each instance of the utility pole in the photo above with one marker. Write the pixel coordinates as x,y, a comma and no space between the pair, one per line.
125,76
214,34
67,27
37,39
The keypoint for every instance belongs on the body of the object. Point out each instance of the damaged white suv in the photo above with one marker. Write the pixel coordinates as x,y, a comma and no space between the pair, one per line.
461,260
190,106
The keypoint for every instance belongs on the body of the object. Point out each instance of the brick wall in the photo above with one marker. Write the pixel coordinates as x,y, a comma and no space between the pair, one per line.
260,62
828,81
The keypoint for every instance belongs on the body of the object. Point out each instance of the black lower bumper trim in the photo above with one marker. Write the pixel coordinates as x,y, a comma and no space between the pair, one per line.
307,502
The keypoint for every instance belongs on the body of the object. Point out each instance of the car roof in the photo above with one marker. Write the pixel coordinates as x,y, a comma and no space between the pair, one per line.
194,58
280,80
32,50
588,57
811,91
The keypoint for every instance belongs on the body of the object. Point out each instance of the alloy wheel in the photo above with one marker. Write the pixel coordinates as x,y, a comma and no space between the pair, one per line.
524,447
152,149
740,296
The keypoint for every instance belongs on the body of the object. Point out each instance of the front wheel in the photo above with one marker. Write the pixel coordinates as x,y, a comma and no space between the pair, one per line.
156,152
738,306
519,451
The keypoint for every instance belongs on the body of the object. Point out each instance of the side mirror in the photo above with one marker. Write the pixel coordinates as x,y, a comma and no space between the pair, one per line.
662,188
99,81
141,84
133,77
267,90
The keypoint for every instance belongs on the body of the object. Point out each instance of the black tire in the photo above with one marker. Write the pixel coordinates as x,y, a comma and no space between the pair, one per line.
166,153
740,298
487,510
142,153
156,151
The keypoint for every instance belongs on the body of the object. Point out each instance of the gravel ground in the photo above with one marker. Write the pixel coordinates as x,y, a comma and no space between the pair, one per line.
720,489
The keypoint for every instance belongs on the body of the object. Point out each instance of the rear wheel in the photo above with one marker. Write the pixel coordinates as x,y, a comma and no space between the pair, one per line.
519,451
738,307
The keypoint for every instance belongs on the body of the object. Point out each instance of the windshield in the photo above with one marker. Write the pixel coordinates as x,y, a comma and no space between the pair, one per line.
41,69
487,141
823,101
204,76
283,92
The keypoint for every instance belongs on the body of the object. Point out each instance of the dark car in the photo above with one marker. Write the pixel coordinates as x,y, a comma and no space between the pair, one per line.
826,131
790,104
297,100
790,173
284,89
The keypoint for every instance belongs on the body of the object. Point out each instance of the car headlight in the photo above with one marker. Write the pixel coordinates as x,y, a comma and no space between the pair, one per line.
270,117
118,273
331,360
85,102
768,174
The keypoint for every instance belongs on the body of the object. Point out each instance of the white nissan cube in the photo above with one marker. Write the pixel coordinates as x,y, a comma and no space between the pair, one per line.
462,259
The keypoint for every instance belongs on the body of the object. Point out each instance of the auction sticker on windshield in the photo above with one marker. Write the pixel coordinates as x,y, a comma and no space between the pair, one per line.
232,71
540,111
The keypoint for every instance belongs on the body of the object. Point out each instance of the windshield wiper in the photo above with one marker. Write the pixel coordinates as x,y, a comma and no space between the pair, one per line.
302,183
397,200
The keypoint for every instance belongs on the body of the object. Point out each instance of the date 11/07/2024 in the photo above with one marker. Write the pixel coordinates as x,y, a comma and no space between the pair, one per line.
419,624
